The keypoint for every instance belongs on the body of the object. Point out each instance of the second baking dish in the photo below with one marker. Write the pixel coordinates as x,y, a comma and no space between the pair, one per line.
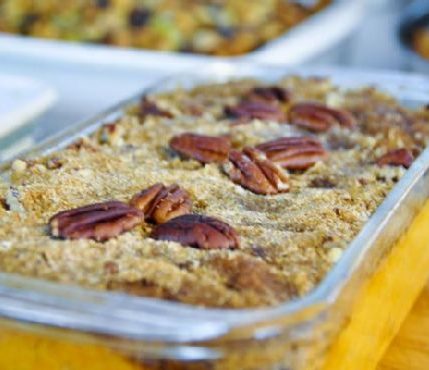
313,36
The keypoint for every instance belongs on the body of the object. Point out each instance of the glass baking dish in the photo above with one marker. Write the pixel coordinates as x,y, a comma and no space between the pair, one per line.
124,332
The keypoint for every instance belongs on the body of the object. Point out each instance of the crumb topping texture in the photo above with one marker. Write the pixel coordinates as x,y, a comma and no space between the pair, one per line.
288,241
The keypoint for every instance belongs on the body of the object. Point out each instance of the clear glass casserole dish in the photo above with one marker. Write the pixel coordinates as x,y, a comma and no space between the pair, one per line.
113,330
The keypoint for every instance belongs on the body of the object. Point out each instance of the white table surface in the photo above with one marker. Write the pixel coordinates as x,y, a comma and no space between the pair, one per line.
84,91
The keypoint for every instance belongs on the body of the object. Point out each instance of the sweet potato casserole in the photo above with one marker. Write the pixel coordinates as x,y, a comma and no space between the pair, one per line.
207,27
238,194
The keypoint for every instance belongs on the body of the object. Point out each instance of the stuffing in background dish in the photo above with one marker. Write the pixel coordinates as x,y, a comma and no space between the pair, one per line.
212,27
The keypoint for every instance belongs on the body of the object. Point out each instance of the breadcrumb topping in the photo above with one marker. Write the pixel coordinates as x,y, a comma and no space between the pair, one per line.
289,241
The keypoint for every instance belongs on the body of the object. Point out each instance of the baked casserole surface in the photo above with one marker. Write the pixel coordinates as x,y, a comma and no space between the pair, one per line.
284,234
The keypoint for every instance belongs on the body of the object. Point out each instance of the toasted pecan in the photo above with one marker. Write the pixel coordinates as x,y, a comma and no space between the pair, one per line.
198,231
398,157
4,205
150,108
53,163
268,94
100,221
161,203
295,153
318,117
247,110
253,171
82,144
205,149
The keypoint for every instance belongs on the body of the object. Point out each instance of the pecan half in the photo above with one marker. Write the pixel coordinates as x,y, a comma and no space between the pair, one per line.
54,163
111,133
149,108
4,205
82,144
268,94
295,153
205,149
254,172
323,183
99,221
398,157
318,117
198,231
161,203
247,110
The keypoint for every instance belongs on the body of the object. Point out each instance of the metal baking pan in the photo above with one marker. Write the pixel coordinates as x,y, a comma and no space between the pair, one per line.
416,15
304,41
290,335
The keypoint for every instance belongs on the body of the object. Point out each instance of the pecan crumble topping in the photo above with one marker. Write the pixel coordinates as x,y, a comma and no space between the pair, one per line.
289,200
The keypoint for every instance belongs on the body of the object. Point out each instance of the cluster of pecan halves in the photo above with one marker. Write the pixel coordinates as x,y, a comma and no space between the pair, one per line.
160,203
260,169
253,171
169,207
267,103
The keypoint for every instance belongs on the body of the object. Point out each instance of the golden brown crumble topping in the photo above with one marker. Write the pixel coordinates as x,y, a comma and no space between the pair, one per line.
288,240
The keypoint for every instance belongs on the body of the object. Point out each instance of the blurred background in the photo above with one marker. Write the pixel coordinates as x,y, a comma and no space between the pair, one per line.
63,61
